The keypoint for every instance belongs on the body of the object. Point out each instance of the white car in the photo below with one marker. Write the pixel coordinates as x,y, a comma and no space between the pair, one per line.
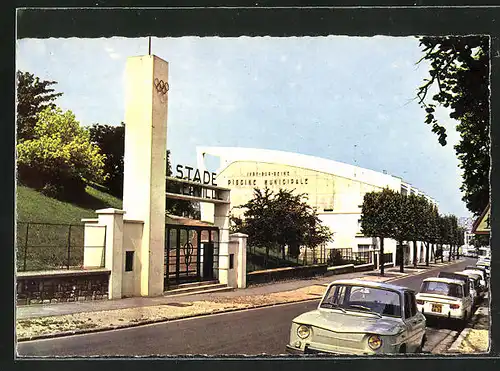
481,271
360,318
484,263
444,298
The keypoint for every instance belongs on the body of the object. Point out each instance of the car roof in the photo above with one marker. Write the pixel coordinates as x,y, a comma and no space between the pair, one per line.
372,284
444,280
473,275
470,267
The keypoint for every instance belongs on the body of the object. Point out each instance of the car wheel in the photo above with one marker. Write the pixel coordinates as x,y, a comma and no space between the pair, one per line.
402,349
465,318
420,348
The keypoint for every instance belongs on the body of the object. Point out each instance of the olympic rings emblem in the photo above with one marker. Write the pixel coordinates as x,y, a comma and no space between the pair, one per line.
161,86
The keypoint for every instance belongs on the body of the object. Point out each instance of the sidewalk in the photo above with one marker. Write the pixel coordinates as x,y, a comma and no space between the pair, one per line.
50,320
475,338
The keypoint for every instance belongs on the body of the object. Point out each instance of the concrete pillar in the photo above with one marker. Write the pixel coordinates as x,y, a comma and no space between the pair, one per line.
94,243
114,257
145,162
241,259
221,220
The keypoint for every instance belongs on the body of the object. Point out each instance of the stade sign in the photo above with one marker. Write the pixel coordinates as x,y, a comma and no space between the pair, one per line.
194,183
185,172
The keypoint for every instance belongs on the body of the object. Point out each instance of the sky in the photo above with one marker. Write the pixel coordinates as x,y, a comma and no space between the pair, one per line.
348,99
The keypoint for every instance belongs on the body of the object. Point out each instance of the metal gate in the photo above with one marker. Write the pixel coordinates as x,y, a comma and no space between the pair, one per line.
191,254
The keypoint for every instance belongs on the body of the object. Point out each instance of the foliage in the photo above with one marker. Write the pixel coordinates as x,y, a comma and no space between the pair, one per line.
459,70
179,207
276,220
33,96
480,240
379,216
111,141
60,158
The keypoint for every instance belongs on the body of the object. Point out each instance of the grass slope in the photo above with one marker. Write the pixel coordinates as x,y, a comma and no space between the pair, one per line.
32,206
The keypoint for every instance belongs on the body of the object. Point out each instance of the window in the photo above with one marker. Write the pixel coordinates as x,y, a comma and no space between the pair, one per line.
363,247
442,288
359,298
413,304
231,261
408,305
129,261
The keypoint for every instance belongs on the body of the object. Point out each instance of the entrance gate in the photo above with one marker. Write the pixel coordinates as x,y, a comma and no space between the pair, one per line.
191,254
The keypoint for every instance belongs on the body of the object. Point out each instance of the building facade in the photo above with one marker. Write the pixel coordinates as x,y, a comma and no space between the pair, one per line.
334,189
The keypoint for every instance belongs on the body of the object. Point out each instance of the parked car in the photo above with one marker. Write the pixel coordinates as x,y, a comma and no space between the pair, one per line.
482,272
475,284
462,277
484,263
444,298
360,317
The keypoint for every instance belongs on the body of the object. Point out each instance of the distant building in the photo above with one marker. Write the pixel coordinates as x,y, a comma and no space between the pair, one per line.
335,189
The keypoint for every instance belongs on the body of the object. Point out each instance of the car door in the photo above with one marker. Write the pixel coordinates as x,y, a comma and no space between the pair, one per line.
412,322
418,320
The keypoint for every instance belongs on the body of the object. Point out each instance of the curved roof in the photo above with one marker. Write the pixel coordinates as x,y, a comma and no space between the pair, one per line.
229,155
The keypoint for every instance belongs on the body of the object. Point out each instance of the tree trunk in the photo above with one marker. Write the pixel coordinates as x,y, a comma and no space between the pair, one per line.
401,258
415,254
458,254
442,255
427,254
450,252
381,259
283,252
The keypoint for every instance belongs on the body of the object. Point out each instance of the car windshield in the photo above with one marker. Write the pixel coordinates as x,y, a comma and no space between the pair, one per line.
442,288
367,299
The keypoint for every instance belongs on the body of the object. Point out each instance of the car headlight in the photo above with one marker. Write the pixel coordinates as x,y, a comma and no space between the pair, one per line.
374,342
303,331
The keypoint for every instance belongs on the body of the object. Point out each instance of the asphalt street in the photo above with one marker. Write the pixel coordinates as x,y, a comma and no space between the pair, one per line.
250,332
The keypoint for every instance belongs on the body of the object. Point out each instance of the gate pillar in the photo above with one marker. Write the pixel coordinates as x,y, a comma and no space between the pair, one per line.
144,184
221,220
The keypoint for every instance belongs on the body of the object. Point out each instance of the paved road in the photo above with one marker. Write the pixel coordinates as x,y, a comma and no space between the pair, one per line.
257,331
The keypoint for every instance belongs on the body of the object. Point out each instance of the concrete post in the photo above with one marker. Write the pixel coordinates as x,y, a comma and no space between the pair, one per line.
94,243
145,163
114,257
241,252
221,220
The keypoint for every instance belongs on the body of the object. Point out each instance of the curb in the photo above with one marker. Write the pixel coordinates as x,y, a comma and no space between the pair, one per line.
455,347
162,320
150,322
458,341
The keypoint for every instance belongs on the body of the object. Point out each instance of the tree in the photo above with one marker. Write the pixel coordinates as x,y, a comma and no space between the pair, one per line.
179,207
60,159
111,141
33,96
418,206
459,71
402,231
430,230
276,220
378,218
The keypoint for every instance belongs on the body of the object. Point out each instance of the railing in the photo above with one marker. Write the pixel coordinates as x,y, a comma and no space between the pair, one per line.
258,258
49,246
